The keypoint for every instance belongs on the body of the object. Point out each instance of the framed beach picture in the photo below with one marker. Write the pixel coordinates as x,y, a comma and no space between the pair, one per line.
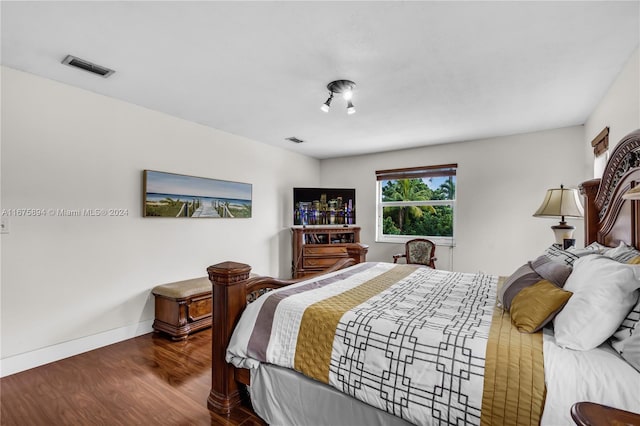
173,195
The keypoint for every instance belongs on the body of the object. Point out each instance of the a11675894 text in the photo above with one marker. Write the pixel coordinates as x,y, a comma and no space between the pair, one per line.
56,212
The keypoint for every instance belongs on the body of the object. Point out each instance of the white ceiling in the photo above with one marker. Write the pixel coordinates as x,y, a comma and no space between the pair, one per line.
426,72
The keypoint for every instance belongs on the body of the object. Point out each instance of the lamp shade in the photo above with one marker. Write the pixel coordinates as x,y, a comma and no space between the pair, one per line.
560,202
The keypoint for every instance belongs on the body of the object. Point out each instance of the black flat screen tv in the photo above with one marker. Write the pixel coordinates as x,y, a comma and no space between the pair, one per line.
324,206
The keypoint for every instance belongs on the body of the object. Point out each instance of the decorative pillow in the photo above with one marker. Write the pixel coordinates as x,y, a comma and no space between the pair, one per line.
555,253
536,305
631,350
624,253
593,248
627,329
532,272
523,277
557,273
604,291
596,246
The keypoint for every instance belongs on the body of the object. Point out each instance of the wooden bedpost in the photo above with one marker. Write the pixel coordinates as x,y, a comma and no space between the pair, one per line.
589,189
229,300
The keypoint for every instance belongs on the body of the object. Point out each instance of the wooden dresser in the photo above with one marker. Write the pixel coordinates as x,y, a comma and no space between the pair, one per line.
317,248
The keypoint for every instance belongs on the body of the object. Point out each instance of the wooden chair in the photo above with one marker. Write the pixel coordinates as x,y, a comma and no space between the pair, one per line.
418,251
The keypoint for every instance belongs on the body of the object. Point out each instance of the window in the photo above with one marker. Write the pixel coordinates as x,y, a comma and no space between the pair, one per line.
416,202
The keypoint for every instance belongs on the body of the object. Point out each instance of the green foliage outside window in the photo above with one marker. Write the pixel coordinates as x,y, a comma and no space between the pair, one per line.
420,219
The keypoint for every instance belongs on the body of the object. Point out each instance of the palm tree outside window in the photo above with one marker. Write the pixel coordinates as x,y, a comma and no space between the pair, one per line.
416,202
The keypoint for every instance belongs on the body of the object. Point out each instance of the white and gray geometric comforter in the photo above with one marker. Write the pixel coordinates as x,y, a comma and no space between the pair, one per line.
408,340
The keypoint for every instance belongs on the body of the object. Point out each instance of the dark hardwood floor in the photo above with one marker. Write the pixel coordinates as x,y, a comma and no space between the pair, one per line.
148,380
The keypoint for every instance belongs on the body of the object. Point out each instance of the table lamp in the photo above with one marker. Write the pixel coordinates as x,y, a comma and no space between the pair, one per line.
561,202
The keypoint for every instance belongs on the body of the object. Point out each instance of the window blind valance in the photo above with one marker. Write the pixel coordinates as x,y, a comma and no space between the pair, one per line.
417,172
600,143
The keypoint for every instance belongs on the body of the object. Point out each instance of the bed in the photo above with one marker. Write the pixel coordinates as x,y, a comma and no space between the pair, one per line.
380,343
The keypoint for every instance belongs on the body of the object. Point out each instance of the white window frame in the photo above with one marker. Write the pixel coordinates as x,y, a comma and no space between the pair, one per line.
401,239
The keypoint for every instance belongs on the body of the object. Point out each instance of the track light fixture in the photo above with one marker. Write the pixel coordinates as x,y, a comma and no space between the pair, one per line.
343,87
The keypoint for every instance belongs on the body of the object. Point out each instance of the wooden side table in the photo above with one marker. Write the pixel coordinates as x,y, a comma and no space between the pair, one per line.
592,414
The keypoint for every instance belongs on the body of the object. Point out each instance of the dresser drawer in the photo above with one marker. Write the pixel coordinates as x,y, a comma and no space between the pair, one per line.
328,250
319,262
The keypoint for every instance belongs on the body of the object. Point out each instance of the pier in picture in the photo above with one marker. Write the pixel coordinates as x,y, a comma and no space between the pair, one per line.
174,195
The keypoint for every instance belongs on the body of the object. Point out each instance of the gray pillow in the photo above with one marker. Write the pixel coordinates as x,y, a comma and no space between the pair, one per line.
552,271
530,273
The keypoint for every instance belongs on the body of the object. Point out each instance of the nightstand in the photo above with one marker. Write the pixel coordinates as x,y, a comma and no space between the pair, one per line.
592,414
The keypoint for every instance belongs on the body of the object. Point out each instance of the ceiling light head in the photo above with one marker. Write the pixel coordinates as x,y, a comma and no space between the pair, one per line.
343,87
325,106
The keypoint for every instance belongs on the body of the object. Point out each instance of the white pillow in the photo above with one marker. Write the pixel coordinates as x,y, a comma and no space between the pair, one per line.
604,291
623,253
631,351
629,330
593,248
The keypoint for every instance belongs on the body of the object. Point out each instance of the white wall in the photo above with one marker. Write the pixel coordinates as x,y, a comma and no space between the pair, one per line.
73,283
500,184
619,109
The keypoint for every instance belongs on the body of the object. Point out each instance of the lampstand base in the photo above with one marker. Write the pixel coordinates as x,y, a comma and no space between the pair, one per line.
563,231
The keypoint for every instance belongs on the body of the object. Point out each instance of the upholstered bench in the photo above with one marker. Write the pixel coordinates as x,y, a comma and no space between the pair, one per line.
183,307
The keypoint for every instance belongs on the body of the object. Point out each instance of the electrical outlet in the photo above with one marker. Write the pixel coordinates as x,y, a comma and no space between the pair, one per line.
4,225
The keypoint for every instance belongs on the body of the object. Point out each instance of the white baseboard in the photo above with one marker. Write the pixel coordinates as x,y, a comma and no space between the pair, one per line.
17,363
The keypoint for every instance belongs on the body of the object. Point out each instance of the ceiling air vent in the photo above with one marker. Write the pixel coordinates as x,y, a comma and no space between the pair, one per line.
294,139
87,66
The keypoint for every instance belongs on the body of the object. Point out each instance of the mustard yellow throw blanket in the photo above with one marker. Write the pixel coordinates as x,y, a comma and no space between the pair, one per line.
514,389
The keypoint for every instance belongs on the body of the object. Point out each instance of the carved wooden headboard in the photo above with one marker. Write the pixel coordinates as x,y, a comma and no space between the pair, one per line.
608,217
